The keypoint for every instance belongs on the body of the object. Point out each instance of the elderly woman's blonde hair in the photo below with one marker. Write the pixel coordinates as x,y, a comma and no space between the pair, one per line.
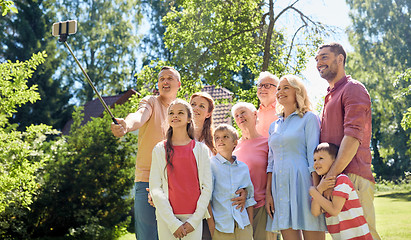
303,103
243,104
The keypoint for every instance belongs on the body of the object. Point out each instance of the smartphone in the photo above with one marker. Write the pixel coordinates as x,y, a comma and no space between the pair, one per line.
67,27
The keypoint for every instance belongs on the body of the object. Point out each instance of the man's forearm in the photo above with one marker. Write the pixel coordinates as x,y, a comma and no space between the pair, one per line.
348,149
135,120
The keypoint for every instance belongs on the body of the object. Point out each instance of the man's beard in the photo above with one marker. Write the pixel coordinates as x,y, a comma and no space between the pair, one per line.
330,74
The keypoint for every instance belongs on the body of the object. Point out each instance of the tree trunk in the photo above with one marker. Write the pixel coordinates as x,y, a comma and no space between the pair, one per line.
267,45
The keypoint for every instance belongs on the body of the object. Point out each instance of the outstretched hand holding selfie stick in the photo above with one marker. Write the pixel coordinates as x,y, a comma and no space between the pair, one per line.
63,29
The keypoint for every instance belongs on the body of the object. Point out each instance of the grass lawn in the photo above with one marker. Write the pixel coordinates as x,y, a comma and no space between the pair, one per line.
393,213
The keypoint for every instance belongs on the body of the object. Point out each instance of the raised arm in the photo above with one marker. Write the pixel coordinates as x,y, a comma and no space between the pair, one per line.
131,123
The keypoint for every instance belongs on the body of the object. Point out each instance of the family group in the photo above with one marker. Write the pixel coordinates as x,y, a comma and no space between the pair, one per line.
291,174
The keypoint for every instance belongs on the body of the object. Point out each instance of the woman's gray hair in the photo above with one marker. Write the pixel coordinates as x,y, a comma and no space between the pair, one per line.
243,104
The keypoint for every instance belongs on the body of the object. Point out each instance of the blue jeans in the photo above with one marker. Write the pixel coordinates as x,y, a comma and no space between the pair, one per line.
145,218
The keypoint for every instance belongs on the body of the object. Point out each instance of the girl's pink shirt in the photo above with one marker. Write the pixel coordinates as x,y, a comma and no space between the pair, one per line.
254,153
183,185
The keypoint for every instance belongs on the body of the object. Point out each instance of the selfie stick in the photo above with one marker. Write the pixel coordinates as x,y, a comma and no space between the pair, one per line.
63,38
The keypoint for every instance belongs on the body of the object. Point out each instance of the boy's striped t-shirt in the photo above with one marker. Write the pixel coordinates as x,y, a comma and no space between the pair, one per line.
350,223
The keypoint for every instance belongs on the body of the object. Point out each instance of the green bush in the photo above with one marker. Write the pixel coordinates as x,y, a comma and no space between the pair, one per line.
86,192
21,153
398,185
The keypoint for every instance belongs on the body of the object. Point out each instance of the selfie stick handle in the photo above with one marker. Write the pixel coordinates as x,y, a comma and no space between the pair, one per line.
63,39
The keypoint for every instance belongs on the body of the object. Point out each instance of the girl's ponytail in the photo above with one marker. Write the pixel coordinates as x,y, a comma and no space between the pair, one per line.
169,147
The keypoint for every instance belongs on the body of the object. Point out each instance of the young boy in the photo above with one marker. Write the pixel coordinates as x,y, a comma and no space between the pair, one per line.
229,175
344,214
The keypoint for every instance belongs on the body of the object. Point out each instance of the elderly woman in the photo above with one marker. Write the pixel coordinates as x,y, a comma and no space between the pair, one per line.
293,138
252,149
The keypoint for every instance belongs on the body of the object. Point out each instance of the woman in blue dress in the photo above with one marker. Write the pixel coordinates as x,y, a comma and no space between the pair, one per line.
290,173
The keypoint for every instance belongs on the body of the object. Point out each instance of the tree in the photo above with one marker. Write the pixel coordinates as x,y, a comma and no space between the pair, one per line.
86,190
152,44
14,92
7,6
105,44
28,32
406,76
405,80
21,155
381,40
214,40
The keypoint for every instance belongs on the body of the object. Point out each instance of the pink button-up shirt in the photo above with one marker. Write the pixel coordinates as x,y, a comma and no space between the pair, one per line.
347,111
266,116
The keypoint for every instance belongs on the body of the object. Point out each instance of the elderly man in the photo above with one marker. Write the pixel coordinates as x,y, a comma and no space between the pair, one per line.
266,93
148,119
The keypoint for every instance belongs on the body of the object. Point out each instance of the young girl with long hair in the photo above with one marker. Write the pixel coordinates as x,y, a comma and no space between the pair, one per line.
180,177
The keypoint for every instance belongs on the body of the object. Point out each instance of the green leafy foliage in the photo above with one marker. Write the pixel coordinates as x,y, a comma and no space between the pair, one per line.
199,37
86,191
76,186
405,79
21,159
7,6
105,44
152,44
25,33
21,154
382,46
403,82
214,41
13,85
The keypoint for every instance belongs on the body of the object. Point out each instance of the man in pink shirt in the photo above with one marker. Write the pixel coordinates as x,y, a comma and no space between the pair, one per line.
346,122
266,91
148,119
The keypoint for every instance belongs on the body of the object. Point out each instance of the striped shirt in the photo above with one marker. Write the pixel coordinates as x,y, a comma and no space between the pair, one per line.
350,222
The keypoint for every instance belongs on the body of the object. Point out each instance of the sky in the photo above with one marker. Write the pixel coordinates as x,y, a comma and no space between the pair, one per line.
334,13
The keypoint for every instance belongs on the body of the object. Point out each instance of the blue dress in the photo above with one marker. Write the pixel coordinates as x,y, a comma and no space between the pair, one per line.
291,145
